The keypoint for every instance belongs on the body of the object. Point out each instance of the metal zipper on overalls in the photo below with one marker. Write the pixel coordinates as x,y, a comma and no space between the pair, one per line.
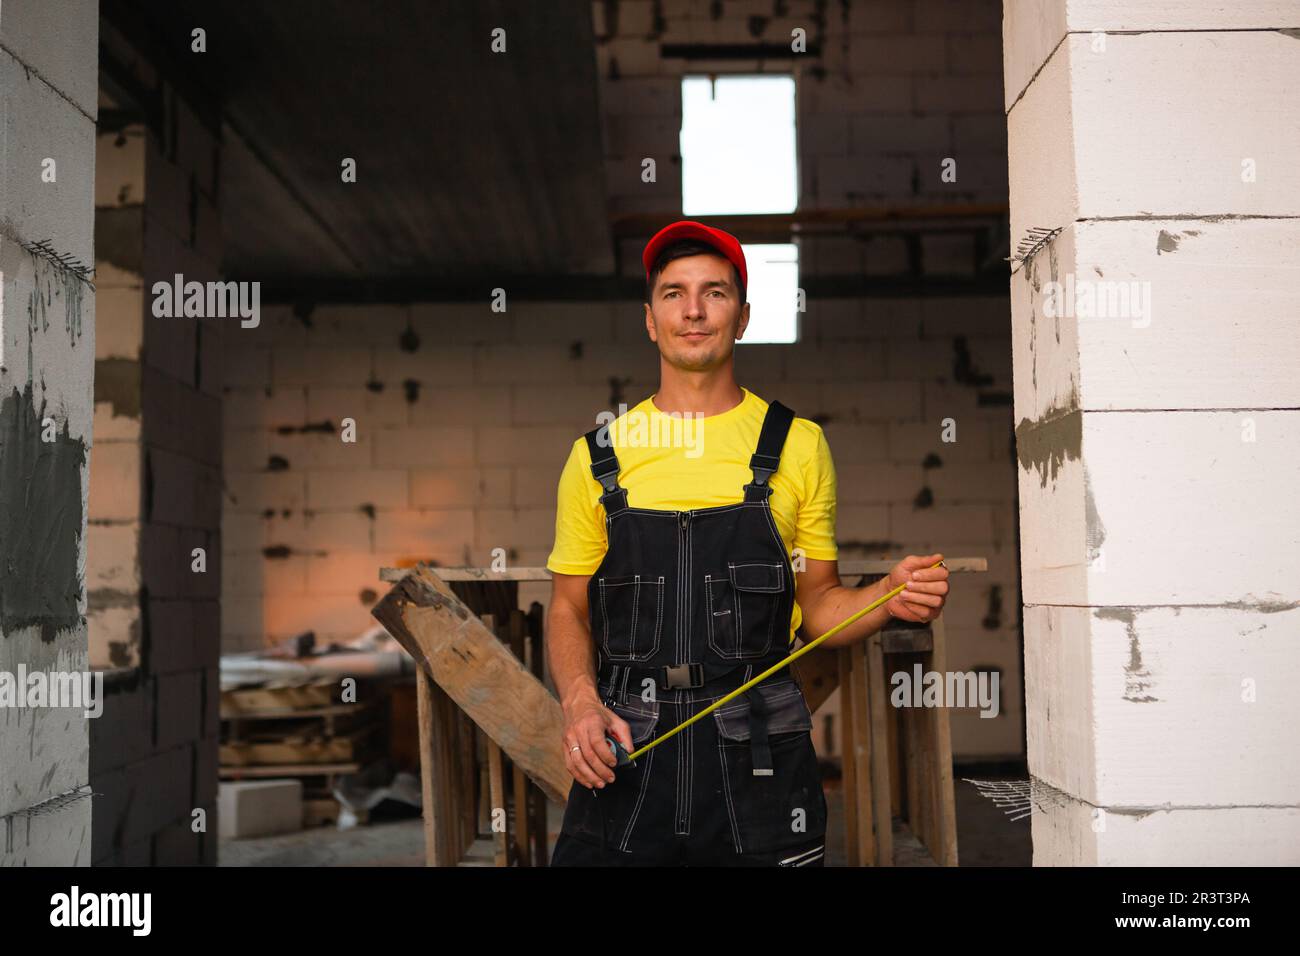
683,584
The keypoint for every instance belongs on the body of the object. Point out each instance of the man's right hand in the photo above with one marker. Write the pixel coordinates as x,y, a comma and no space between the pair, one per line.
586,752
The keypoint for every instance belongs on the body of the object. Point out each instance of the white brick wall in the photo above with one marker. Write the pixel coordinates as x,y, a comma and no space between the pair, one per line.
472,465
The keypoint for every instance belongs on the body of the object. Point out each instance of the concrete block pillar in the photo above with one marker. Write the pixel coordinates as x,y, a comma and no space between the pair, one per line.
47,352
117,613
1156,343
156,497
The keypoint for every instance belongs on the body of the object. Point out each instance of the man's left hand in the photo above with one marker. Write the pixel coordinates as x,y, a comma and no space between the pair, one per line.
926,588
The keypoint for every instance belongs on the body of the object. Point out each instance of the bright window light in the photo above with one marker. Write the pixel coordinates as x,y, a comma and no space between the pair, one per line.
739,158
737,145
773,287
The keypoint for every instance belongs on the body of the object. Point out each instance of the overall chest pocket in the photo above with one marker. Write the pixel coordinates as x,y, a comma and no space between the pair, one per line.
631,615
743,608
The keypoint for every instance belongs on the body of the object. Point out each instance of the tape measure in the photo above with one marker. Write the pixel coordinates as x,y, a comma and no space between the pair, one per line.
626,759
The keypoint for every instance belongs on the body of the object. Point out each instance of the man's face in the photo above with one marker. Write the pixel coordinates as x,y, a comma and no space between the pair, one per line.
695,315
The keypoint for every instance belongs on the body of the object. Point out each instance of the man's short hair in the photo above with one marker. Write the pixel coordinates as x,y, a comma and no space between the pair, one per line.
680,250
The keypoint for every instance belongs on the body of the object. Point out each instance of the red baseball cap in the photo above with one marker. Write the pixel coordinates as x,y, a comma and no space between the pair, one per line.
727,245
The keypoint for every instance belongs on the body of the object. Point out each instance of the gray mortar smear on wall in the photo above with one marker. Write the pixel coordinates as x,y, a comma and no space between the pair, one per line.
53,280
1045,445
40,521
1137,678
1096,531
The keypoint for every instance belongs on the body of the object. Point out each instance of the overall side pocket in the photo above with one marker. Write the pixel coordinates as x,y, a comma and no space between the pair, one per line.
608,816
784,809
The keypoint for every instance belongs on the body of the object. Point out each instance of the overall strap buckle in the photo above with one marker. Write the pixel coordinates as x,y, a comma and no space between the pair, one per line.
771,439
763,466
679,676
604,463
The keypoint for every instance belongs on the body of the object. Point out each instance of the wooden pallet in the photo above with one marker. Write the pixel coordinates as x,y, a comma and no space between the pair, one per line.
307,723
299,731
280,698
352,747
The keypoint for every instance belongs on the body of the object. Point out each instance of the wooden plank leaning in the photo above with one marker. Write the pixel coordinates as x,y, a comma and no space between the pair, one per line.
476,670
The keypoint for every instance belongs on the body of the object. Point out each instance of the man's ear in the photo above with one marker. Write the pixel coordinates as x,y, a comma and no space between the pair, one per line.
650,324
744,320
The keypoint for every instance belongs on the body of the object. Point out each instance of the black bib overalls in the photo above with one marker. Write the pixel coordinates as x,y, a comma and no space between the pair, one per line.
685,607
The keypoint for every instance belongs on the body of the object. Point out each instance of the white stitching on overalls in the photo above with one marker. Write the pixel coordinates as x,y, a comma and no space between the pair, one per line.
636,602
687,765
636,809
659,616
728,652
633,656
779,589
604,613
738,648
687,571
677,780
726,793
785,558
682,754
800,855
708,606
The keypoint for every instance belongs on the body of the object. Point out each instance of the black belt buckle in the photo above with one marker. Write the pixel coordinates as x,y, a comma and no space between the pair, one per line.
677,676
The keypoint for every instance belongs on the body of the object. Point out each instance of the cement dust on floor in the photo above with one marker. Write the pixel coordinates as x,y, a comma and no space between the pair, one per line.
392,843
986,836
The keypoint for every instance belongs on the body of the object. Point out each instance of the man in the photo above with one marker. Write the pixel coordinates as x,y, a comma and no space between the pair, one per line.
674,584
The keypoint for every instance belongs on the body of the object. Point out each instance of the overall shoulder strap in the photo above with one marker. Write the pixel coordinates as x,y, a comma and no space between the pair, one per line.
771,439
604,468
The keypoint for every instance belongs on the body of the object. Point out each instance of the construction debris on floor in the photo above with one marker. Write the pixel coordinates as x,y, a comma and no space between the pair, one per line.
316,737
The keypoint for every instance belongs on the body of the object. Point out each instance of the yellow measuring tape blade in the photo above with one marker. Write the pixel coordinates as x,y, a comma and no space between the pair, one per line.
773,669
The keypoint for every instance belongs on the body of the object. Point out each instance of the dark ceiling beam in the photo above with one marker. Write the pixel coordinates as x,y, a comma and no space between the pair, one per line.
335,291
769,226
145,38
296,195
157,45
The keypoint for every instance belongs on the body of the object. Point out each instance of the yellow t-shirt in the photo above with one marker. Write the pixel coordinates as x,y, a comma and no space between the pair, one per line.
706,465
